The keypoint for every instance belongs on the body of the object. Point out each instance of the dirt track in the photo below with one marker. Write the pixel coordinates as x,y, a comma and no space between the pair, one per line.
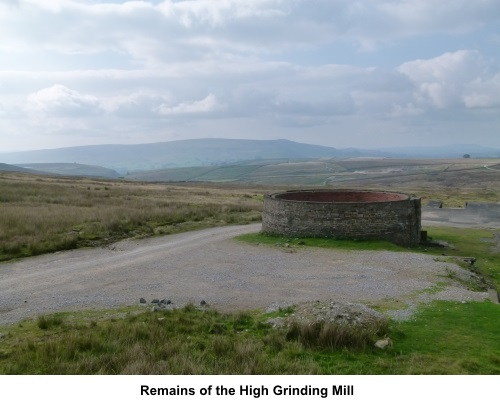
210,265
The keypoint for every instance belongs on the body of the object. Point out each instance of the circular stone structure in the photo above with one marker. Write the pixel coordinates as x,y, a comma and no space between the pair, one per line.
344,214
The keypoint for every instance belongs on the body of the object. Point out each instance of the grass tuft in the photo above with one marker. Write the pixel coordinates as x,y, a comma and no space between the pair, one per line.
336,336
48,322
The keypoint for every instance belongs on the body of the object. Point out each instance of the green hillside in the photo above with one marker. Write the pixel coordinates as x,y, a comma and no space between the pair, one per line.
73,169
11,168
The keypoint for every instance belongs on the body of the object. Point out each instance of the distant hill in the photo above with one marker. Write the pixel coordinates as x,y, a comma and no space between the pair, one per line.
61,169
216,152
186,153
11,168
72,169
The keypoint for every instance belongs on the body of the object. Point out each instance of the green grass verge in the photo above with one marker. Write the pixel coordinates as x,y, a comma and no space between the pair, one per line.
478,243
443,338
271,240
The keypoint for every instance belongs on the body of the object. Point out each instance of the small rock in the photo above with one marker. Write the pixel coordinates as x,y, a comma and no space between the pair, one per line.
155,301
203,303
163,301
383,343
142,301
168,302
276,322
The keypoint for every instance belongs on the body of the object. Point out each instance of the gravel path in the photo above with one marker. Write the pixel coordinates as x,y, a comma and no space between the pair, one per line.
209,265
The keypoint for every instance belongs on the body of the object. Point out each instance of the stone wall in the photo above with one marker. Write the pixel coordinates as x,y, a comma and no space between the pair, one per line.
344,214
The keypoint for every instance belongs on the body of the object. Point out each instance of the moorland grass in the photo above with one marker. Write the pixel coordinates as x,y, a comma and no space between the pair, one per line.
443,338
183,341
47,214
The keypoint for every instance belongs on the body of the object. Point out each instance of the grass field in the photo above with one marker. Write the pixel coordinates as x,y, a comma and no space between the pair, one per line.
444,338
46,214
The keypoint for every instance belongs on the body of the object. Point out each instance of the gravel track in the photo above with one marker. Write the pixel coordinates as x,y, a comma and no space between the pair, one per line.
209,265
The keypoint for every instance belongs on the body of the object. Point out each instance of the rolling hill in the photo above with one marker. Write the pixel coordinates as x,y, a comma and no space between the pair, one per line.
73,169
11,168
61,169
210,152
186,153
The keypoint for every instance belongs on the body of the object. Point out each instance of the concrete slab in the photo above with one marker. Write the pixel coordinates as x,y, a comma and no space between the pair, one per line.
476,215
435,204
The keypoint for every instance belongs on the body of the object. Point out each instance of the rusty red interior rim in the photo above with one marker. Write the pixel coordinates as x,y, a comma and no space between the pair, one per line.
341,196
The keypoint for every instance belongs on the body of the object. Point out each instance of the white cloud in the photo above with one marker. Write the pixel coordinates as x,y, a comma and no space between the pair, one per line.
60,100
442,82
205,106
429,16
405,110
137,104
483,92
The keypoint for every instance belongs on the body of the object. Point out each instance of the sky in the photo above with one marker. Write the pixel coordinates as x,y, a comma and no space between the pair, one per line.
341,73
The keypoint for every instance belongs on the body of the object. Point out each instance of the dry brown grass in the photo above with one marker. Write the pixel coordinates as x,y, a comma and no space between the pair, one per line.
45,214
337,336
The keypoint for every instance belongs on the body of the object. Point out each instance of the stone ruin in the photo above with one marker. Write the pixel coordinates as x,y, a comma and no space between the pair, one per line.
344,214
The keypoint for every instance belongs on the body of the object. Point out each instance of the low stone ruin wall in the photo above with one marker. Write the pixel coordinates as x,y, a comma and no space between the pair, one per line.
344,214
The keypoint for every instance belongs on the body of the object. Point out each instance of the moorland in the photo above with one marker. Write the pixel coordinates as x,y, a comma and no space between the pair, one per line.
42,214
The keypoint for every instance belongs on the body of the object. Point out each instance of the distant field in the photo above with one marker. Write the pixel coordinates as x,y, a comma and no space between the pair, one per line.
454,180
273,172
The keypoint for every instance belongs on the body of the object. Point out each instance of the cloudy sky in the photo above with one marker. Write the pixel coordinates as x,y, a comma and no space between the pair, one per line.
361,73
